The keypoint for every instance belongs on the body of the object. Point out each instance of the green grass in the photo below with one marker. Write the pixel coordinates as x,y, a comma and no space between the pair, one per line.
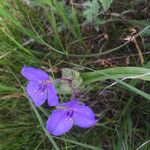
52,35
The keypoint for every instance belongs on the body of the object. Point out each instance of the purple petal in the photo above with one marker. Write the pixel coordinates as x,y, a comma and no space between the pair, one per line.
71,103
83,116
58,122
34,74
52,95
35,94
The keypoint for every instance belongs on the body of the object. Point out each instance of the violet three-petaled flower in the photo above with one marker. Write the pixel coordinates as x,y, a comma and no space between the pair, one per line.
39,87
62,119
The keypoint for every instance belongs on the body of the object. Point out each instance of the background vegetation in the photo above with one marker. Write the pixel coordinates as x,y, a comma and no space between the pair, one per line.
86,36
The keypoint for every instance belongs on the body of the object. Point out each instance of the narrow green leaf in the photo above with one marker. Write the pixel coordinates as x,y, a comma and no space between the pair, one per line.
118,72
4,89
121,72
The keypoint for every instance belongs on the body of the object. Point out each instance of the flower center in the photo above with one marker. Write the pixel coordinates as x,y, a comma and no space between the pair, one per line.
70,113
43,86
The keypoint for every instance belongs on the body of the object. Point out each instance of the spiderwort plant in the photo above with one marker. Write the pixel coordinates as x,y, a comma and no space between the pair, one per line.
68,114
40,86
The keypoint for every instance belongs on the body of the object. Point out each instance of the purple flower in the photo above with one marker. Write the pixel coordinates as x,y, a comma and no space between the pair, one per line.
39,87
62,119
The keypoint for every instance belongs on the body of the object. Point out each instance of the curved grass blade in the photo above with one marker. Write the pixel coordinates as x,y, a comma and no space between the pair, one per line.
80,144
38,116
